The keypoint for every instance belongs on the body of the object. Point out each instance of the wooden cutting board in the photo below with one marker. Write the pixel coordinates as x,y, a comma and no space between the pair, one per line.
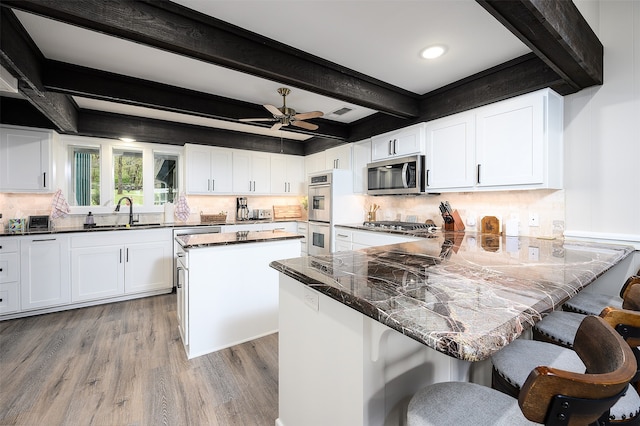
287,212
490,225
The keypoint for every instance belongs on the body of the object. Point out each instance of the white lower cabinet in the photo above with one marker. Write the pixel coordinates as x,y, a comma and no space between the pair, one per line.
97,272
351,239
120,263
44,272
9,275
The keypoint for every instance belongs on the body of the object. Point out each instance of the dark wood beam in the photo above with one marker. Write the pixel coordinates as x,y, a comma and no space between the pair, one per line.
171,27
517,77
96,84
113,126
21,57
20,112
557,33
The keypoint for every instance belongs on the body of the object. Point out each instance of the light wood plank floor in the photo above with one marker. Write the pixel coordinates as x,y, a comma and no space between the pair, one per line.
124,364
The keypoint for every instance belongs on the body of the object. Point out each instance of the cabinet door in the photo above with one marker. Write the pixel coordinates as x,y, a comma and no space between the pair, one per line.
338,157
198,170
242,179
221,171
25,160
279,182
97,272
509,142
261,172
382,147
148,266
44,272
450,152
315,163
409,140
295,175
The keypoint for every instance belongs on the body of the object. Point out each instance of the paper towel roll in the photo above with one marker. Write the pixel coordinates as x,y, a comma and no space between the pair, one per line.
169,212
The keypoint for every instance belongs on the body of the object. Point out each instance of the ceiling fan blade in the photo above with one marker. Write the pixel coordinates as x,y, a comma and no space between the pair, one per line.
273,110
257,119
304,125
308,115
276,126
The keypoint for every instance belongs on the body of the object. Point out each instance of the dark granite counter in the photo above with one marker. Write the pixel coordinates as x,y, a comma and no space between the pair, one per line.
226,238
464,295
119,227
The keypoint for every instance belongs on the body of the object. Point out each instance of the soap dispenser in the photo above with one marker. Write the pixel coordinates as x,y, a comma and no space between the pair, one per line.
88,221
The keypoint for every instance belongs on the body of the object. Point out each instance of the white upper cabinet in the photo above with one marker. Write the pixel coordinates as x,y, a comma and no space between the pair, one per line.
406,141
26,160
450,152
315,163
360,158
208,170
513,144
251,172
287,174
519,142
338,157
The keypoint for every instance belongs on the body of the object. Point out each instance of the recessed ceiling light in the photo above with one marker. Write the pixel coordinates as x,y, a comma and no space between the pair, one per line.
127,139
433,52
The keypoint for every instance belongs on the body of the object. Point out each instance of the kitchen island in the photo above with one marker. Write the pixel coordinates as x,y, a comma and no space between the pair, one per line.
361,331
227,293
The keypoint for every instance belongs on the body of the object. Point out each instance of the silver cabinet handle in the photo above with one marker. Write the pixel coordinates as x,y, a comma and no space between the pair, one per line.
46,239
478,178
127,258
213,184
427,177
44,179
390,148
120,255
208,184
394,145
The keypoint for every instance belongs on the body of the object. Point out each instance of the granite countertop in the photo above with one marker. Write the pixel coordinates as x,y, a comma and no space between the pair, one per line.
466,295
226,238
119,227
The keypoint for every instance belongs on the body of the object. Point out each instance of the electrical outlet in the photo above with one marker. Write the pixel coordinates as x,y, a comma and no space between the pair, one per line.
534,220
534,253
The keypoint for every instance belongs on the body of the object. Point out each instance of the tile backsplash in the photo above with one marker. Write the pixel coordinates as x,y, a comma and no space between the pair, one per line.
472,207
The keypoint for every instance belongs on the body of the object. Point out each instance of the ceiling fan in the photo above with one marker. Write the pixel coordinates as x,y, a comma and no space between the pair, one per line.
284,116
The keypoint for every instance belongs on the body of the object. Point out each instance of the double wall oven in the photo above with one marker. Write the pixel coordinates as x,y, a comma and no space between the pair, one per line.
320,213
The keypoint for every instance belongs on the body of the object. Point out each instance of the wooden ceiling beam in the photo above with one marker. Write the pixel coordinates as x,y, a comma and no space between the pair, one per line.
96,84
112,126
171,27
21,57
557,33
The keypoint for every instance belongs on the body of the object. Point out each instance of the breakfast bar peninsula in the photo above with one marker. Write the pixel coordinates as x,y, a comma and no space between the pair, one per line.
361,331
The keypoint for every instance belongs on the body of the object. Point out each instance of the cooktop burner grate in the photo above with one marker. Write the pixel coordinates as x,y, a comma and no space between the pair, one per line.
401,226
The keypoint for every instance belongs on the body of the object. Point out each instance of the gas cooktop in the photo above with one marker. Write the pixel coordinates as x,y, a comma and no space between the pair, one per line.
400,226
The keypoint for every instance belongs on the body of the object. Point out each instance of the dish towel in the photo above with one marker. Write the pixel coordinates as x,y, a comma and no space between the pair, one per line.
182,209
59,206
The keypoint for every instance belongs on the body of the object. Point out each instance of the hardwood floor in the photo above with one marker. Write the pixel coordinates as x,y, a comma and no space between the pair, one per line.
124,364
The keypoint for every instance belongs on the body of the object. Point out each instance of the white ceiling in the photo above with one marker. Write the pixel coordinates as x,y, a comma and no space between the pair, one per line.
381,39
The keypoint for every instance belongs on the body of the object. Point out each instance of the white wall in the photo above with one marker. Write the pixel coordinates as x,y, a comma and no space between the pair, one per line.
602,132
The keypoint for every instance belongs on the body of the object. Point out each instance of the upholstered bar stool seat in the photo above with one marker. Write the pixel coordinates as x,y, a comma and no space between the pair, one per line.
547,394
593,303
511,367
558,327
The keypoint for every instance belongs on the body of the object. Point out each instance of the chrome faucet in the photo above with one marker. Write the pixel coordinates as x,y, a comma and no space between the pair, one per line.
131,221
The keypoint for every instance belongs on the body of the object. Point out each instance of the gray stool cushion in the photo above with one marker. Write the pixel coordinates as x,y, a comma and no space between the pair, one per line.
560,326
458,403
592,303
515,362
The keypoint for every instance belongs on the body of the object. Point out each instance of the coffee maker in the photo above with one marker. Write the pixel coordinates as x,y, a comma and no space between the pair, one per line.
242,211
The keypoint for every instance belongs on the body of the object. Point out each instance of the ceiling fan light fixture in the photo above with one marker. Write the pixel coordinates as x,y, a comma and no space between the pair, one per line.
433,52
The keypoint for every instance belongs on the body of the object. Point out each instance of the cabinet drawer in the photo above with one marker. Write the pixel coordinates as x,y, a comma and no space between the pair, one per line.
9,298
8,245
342,235
9,267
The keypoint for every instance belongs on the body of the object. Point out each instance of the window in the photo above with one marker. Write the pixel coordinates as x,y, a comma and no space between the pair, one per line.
85,176
165,183
127,174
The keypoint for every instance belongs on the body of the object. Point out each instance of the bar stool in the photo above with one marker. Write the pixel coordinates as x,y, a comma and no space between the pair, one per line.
512,364
559,327
594,303
549,395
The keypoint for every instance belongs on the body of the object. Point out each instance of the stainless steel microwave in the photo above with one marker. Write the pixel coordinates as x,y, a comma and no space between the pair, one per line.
404,175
